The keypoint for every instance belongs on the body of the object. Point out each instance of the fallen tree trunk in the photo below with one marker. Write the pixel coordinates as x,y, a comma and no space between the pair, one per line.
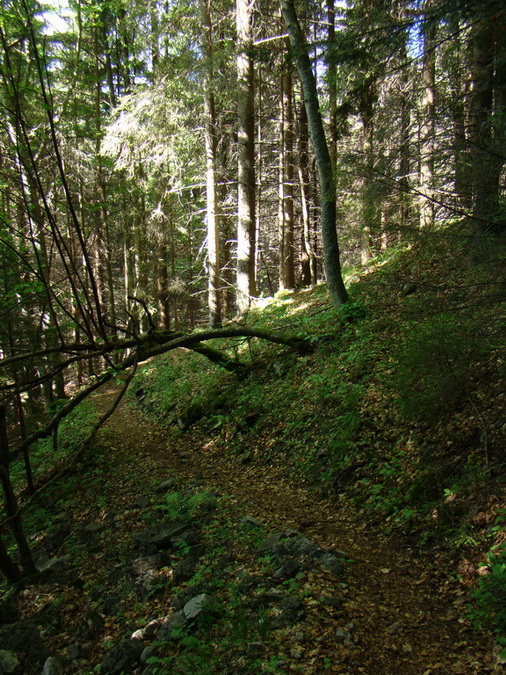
136,351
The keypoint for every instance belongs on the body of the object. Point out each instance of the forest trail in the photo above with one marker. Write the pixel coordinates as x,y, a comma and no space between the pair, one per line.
404,613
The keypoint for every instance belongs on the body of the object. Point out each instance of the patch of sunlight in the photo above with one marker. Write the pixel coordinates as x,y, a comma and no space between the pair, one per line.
300,308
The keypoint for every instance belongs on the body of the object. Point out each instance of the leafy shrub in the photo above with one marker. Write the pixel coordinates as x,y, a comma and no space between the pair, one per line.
432,371
489,599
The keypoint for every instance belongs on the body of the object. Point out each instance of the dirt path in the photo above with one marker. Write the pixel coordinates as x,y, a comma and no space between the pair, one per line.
404,614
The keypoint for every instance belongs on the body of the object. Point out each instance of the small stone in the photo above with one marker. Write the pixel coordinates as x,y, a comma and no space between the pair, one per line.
344,637
250,521
184,570
52,666
197,605
171,628
267,544
332,563
147,653
149,631
394,628
91,626
123,658
165,486
147,564
288,570
332,601
9,661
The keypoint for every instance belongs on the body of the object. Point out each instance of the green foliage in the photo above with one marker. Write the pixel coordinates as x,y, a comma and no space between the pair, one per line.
488,609
433,366
72,432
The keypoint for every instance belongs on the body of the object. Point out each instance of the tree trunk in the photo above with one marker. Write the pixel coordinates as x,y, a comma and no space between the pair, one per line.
337,290
285,181
369,211
213,239
11,508
246,226
428,126
487,125
332,81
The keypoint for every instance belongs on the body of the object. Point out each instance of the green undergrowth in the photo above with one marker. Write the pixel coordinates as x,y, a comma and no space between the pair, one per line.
400,407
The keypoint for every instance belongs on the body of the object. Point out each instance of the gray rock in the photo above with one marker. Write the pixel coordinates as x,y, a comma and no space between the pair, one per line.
295,547
288,570
197,605
93,528
332,563
184,570
161,538
344,637
75,651
188,538
49,619
196,551
149,631
149,583
9,662
91,626
292,612
51,567
53,666
250,522
171,629
272,595
165,486
332,601
58,535
123,658
147,653
267,544
148,564
24,638
181,598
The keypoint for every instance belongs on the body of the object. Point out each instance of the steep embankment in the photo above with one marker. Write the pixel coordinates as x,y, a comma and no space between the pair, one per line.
377,461
399,609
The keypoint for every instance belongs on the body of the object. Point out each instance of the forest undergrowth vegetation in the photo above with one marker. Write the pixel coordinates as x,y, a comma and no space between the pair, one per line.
399,410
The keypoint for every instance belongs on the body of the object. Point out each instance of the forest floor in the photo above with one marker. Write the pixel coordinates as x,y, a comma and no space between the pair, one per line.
401,609
336,511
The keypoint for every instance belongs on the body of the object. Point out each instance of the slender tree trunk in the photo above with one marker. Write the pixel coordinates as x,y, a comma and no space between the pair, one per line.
337,290
172,234
103,243
7,568
428,126
246,229
309,272
162,277
369,211
285,182
332,81
213,238
488,133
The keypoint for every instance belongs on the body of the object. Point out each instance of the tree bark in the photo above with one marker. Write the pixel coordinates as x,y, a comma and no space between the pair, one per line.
487,125
213,239
7,567
246,225
285,182
428,126
337,290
